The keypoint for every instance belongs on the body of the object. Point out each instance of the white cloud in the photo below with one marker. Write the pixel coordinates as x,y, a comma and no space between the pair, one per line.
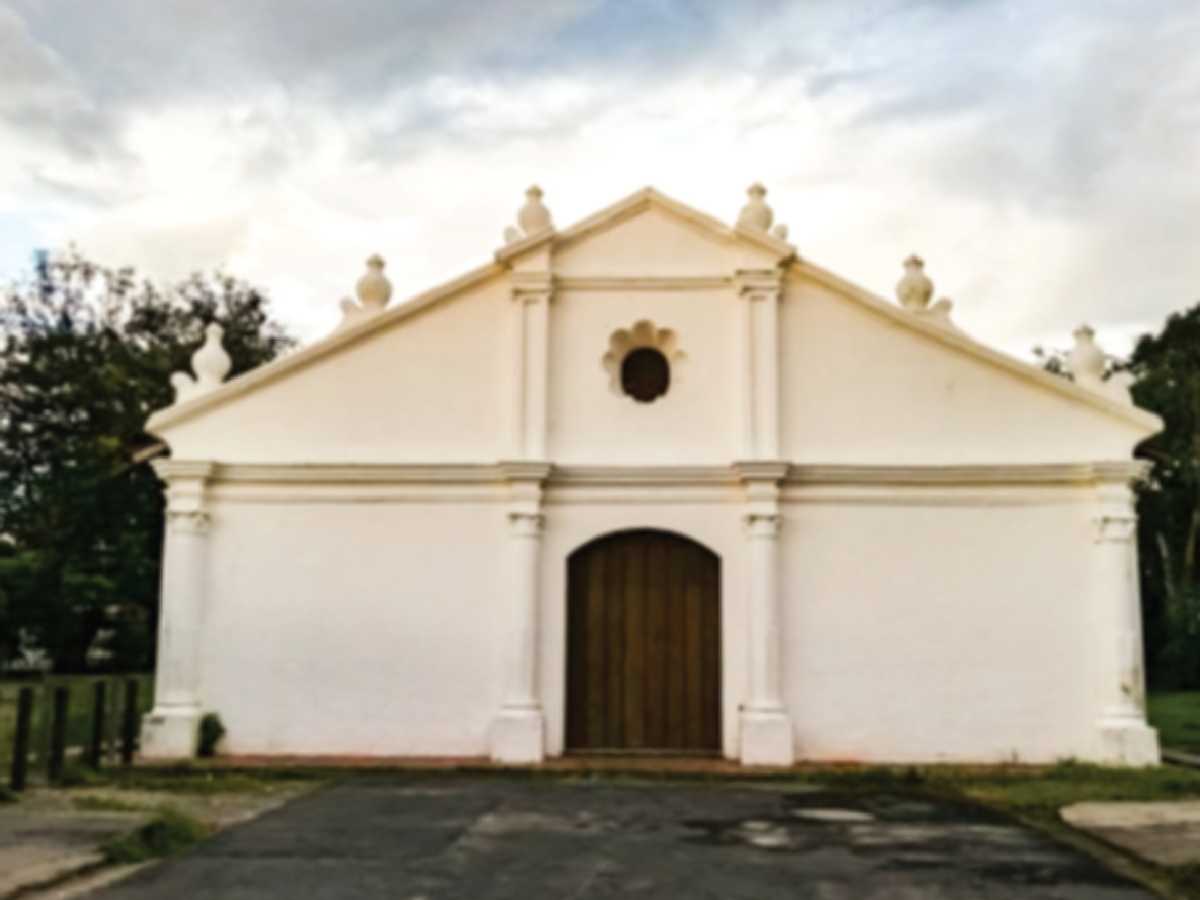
1038,159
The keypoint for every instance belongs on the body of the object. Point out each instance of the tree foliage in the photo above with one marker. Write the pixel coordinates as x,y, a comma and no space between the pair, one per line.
1166,368
86,357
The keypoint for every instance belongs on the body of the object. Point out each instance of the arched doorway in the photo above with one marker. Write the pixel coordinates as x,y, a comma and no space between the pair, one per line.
643,645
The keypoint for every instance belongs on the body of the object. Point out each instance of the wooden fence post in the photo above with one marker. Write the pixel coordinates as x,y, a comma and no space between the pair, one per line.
96,746
20,760
129,725
58,735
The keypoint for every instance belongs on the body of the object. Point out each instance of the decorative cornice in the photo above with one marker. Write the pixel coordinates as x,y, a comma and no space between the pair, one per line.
773,470
183,469
966,475
642,283
523,470
792,475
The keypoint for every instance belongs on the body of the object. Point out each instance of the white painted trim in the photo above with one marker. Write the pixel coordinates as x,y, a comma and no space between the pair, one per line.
643,283
792,475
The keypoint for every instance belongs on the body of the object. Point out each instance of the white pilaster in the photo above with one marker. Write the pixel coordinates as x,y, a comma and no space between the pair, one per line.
759,293
1125,736
169,729
766,727
531,294
518,731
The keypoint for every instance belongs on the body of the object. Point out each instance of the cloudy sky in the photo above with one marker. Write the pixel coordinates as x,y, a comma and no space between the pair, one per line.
1042,155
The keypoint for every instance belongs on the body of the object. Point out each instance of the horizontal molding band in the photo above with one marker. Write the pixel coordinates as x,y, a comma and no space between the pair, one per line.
642,282
794,475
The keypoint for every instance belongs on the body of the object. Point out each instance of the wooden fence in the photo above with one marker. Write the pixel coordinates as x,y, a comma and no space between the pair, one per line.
48,723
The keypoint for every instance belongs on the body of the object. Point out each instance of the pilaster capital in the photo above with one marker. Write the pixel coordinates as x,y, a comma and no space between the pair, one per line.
760,471
525,523
187,493
1114,529
188,521
758,284
532,286
763,525
528,471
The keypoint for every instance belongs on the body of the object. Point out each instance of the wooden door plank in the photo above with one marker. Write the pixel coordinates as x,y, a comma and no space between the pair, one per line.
613,695
693,625
634,551
595,644
576,691
657,599
677,647
711,655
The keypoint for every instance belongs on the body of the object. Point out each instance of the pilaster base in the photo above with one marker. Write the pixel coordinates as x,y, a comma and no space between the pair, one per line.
767,738
1129,742
170,732
517,736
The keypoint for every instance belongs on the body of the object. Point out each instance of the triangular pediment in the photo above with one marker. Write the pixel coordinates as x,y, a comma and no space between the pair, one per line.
643,242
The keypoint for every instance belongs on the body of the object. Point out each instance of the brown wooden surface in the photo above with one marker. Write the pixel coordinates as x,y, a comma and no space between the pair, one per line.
643,645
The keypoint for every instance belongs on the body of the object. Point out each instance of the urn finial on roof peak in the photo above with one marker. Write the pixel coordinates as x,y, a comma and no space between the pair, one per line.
756,213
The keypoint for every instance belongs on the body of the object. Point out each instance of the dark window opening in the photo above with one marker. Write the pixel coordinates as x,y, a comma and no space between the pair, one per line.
645,374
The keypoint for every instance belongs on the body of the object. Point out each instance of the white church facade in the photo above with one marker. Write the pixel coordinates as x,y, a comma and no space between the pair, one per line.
652,483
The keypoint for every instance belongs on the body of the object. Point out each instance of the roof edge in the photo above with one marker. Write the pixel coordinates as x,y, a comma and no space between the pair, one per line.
263,375
1148,422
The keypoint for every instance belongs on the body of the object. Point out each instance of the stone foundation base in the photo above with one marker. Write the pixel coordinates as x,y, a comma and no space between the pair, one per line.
170,732
517,736
767,738
1129,743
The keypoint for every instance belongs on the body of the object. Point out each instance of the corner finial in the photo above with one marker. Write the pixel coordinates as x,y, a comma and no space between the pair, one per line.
1088,361
914,290
756,213
534,217
210,363
373,289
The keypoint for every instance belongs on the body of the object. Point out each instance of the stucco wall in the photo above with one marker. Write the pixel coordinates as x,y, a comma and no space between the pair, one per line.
693,422
924,625
940,625
859,388
434,387
357,628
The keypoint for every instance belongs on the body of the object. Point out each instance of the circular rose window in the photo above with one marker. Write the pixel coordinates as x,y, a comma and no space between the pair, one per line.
645,374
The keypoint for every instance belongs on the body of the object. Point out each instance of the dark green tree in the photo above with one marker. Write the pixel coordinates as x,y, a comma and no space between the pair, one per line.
86,357
1166,368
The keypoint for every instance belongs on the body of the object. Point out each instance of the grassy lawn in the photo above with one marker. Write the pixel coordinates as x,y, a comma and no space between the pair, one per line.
1176,715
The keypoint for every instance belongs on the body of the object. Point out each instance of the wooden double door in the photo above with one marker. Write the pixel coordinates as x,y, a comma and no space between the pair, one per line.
644,645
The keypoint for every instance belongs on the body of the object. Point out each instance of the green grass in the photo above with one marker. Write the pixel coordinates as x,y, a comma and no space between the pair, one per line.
79,709
170,832
1176,715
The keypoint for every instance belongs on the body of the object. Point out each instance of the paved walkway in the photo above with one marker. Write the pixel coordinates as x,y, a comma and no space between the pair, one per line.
427,837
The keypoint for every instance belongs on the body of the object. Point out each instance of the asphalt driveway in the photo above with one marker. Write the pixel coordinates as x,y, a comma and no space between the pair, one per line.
433,837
